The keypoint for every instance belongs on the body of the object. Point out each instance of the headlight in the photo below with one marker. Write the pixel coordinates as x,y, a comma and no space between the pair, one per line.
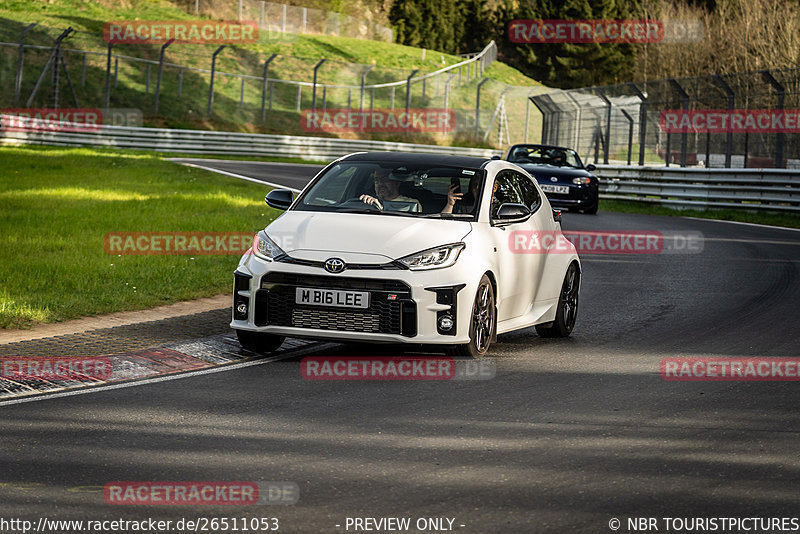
265,248
581,181
433,258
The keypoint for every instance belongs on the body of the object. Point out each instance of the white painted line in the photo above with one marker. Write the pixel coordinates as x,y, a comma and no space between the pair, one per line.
177,376
744,223
242,177
272,163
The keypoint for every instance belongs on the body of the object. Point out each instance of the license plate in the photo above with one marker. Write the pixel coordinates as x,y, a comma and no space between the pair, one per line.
332,297
559,189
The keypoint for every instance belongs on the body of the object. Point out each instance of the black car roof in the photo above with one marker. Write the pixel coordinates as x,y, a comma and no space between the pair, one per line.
413,158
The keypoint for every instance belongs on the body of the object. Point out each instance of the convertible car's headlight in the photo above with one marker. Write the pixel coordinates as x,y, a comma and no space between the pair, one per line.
265,248
582,181
433,258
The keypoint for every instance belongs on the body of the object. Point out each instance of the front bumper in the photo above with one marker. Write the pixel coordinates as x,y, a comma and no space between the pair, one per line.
578,197
405,306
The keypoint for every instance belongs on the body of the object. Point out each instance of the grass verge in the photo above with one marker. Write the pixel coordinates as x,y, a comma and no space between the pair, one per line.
58,204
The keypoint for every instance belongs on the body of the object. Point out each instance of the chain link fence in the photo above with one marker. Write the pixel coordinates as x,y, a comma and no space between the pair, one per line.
241,88
630,123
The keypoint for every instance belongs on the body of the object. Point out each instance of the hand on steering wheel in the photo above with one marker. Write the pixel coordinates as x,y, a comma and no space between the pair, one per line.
372,201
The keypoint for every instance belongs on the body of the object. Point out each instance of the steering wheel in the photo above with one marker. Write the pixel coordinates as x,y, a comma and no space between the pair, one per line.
357,203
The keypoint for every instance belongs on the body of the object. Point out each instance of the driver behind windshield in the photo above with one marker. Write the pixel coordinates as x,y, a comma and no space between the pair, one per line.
558,158
387,189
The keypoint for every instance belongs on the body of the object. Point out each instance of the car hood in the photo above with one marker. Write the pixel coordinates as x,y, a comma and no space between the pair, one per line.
360,237
545,172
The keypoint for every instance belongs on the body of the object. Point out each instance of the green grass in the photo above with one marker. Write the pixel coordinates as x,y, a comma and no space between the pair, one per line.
787,220
58,204
346,60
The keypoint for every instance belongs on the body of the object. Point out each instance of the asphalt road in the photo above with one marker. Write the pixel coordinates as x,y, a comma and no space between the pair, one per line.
568,435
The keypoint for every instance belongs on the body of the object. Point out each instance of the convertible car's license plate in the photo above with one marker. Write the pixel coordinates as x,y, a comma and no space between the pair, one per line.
560,189
332,297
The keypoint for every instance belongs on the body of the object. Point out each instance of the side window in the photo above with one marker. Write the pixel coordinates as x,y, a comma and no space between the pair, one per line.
529,192
505,190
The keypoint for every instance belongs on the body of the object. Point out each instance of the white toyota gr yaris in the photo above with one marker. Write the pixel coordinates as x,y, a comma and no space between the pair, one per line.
408,248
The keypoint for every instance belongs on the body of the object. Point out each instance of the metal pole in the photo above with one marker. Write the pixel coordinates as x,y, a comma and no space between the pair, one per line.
54,55
147,80
392,98
363,81
684,106
108,76
160,71
241,94
314,91
299,97
408,95
731,105
527,118
781,91
630,133
542,110
478,108
642,120
607,144
18,85
264,84
578,121
83,69
69,80
211,85
180,81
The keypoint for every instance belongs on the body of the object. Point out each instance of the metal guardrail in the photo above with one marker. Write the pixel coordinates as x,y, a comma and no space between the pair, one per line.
756,189
212,142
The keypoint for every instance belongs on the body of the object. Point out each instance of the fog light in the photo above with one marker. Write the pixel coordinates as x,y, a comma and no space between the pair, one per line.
242,308
445,322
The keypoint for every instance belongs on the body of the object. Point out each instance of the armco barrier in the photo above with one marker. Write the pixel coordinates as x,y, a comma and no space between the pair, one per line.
765,189
211,142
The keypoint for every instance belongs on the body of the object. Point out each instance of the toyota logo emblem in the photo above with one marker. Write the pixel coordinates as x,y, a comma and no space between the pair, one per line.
334,265
553,179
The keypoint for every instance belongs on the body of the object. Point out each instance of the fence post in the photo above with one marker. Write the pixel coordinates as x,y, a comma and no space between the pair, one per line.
283,19
180,81
55,55
241,94
363,81
731,105
314,91
116,71
607,144
630,133
578,121
108,76
324,98
642,120
781,91
392,98
478,107
147,80
264,84
299,97
544,113
160,70
83,69
240,11
408,95
211,85
685,106
305,16
261,15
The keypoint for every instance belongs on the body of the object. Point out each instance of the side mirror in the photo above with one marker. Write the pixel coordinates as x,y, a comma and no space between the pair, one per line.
512,212
279,199
590,167
557,215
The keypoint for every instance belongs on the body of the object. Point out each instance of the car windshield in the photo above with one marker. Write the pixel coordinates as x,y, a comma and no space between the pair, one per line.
542,155
395,188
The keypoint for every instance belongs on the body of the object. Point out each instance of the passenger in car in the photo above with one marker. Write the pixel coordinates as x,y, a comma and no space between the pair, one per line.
460,202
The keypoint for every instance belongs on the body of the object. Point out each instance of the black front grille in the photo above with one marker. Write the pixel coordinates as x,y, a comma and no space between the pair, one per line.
275,303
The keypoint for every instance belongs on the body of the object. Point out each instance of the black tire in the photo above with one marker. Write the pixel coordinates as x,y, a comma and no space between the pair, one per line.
482,323
592,210
259,342
567,311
